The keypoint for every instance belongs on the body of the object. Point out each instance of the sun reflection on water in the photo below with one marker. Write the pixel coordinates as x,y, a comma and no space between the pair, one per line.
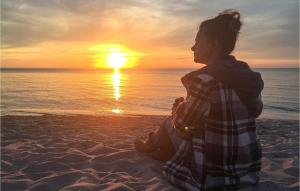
116,84
116,78
116,110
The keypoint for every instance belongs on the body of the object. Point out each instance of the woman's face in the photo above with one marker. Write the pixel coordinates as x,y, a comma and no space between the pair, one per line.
203,49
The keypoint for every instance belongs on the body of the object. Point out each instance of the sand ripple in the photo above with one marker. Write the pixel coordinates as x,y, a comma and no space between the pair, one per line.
72,153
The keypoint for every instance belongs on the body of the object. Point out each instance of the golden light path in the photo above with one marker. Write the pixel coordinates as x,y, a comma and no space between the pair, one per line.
116,83
115,56
116,60
116,77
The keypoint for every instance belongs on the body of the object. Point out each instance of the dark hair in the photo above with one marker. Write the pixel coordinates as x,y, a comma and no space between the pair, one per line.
224,29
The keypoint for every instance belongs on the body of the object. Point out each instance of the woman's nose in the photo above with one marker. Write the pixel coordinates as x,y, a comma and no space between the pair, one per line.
193,48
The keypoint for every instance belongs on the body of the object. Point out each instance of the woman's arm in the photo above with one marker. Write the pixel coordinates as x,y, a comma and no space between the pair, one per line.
177,101
258,107
191,110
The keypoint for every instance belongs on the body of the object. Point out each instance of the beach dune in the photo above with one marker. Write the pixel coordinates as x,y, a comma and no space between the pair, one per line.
81,152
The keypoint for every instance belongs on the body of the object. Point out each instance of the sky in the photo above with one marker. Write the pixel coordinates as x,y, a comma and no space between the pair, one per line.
158,34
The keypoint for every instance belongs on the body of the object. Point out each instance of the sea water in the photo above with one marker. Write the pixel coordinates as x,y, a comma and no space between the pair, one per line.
137,92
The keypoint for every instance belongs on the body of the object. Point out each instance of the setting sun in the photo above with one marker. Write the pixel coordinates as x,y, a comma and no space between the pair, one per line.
116,59
114,56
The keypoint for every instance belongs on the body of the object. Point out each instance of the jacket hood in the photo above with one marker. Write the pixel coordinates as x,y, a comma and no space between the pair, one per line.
236,74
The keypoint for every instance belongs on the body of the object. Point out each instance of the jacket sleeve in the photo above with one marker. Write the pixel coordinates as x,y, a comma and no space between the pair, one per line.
193,108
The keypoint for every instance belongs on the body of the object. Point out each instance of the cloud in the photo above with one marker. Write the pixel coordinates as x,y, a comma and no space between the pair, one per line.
270,28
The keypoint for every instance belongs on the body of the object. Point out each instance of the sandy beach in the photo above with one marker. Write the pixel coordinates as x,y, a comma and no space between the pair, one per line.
57,152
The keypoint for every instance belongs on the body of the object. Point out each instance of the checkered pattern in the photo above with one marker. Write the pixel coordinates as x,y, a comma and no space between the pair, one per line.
224,149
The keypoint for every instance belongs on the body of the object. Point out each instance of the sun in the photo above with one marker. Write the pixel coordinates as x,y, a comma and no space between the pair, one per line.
116,60
114,56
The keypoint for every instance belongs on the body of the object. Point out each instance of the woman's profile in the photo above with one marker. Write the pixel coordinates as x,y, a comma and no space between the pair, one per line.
210,140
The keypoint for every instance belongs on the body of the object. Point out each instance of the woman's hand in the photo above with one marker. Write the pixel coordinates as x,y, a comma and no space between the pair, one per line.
187,134
176,103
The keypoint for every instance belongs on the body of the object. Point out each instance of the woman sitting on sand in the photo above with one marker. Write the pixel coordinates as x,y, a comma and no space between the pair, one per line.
210,139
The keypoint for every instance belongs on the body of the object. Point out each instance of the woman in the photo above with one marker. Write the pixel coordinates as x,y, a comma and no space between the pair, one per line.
210,139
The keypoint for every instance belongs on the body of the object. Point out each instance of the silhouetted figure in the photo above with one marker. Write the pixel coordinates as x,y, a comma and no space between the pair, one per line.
210,139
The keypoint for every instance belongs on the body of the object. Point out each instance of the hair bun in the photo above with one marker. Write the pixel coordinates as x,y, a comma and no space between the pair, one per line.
235,23
233,18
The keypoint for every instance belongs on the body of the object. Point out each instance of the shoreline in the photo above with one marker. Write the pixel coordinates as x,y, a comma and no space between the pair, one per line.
87,152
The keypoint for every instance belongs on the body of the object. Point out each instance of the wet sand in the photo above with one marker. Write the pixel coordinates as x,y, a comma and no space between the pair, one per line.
57,152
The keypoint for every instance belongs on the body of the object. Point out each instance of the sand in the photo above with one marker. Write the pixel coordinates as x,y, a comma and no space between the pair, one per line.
56,152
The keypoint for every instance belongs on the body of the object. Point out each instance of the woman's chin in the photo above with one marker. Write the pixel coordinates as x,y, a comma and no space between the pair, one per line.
198,60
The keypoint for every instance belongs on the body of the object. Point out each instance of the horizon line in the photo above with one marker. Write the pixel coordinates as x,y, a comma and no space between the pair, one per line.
95,69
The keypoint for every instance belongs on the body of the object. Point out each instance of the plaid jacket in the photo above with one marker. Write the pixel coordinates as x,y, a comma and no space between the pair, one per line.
224,149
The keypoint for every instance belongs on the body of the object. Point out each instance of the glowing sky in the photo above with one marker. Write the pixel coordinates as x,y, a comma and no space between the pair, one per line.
60,33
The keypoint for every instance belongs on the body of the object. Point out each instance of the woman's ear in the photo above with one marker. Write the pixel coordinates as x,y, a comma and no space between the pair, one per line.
216,47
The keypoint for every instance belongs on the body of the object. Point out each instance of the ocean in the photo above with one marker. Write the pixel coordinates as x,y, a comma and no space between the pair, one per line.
133,92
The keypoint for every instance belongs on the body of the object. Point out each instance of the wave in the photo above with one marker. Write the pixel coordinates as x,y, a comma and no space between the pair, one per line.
281,108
